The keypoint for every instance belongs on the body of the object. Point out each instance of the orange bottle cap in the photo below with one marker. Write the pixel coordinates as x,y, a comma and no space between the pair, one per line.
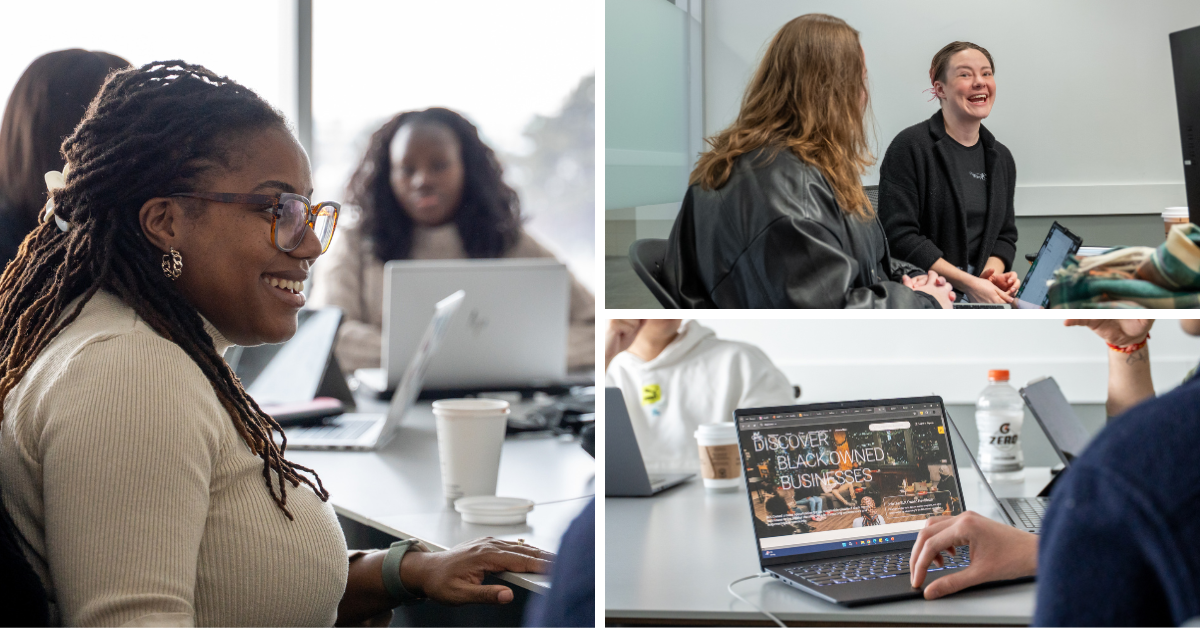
998,375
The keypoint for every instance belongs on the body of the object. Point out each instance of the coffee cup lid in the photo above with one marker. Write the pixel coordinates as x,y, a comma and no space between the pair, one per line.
1175,212
716,430
492,510
466,407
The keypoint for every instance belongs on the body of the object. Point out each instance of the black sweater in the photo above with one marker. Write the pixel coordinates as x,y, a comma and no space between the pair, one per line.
921,204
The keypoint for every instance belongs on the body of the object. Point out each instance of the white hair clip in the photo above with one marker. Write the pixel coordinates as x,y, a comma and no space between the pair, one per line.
56,180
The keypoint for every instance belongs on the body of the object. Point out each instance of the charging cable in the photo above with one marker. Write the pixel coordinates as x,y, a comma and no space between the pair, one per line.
756,606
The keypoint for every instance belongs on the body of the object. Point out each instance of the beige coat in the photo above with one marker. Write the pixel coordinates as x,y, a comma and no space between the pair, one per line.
349,276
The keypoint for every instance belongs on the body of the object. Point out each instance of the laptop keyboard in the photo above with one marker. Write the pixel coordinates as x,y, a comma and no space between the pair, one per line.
346,429
870,567
1030,510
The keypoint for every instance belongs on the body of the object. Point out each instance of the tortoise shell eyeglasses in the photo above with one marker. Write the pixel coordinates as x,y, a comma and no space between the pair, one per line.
291,213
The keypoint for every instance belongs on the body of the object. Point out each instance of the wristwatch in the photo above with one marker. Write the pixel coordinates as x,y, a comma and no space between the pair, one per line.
391,571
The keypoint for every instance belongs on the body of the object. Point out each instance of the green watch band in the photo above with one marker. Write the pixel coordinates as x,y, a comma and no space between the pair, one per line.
391,572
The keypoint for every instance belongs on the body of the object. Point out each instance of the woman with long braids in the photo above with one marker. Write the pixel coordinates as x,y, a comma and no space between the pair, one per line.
427,188
140,483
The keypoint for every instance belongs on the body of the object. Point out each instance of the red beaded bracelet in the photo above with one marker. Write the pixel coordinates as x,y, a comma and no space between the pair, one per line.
1130,348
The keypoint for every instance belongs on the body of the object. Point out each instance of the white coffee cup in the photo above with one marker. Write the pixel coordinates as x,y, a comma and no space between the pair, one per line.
470,435
720,464
1174,216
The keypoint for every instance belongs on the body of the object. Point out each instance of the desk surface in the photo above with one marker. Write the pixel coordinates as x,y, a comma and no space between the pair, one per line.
669,558
398,490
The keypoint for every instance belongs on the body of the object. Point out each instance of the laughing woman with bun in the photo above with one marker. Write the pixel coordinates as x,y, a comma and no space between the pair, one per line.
946,185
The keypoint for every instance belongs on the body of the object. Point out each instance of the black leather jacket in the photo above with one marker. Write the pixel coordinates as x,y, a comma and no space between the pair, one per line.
774,237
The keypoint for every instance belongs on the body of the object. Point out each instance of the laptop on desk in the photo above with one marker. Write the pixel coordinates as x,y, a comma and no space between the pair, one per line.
893,460
1057,418
1066,434
1034,292
363,431
299,380
512,333
1022,513
1059,245
625,472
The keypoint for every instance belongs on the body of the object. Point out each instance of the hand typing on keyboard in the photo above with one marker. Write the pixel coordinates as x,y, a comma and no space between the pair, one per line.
997,552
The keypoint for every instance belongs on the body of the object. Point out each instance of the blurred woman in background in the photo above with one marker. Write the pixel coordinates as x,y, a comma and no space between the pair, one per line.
45,107
427,188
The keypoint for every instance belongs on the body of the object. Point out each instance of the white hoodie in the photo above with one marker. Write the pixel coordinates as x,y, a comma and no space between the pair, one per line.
698,378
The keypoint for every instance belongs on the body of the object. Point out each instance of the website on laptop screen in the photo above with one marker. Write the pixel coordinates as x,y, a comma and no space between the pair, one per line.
847,477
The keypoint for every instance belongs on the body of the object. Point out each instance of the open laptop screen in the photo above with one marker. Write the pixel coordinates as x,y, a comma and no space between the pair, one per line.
847,475
1059,244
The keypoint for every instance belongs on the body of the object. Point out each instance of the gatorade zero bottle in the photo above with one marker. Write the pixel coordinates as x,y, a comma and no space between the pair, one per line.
999,414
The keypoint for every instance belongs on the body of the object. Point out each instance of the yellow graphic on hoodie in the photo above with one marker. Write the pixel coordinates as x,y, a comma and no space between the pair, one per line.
651,394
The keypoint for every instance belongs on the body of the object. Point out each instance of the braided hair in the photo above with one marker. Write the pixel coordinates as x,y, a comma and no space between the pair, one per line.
150,132
488,216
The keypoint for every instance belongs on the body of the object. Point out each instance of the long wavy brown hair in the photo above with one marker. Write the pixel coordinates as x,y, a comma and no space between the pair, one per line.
808,95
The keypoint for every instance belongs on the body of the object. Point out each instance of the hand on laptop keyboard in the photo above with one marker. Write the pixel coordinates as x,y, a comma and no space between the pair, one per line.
868,567
998,552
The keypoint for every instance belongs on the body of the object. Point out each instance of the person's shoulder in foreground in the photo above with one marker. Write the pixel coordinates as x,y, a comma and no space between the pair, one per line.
1118,544
572,597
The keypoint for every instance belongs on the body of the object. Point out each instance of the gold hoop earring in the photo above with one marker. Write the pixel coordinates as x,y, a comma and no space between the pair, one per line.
172,264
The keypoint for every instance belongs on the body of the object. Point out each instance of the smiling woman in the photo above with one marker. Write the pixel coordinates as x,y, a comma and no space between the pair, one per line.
428,188
132,462
946,185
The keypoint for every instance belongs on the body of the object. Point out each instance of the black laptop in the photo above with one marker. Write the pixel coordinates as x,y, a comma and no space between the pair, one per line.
879,469
1034,292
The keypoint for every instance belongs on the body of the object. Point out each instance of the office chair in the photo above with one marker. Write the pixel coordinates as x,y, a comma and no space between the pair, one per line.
873,195
646,256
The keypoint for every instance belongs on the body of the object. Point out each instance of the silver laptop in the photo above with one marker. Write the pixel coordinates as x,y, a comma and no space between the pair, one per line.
1058,420
365,431
624,468
1022,513
513,332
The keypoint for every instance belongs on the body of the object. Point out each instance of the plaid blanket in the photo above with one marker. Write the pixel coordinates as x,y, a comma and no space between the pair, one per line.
1134,277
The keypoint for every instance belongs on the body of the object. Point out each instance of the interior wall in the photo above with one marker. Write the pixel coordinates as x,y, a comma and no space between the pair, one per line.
839,360
646,104
1085,97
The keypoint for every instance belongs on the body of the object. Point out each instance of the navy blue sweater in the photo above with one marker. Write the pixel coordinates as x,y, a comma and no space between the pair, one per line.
1120,545
572,597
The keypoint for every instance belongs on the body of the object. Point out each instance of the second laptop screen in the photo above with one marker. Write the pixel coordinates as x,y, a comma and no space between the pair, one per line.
847,477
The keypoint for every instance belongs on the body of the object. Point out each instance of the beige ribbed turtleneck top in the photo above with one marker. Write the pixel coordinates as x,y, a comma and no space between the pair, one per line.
141,503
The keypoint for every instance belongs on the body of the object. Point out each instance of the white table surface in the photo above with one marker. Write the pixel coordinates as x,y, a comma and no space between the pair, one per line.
398,490
670,557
